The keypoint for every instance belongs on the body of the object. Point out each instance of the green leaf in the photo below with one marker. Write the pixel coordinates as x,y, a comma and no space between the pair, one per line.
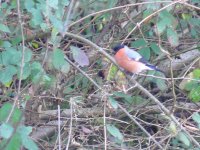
139,43
53,3
14,143
6,130
153,6
27,142
51,82
16,56
113,102
6,44
161,84
196,118
184,139
24,131
172,37
46,80
16,116
194,33
114,132
65,67
186,16
194,94
58,59
37,78
137,100
36,72
172,128
169,19
4,28
155,48
27,55
112,3
27,97
58,24
166,20
26,71
191,85
11,53
59,62
1,62
36,66
16,40
54,35
68,90
196,73
126,97
35,45
5,57
175,142
1,43
145,52
161,26
196,1
37,18
44,27
79,56
64,2
147,12
194,21
112,72
7,73
4,111
29,5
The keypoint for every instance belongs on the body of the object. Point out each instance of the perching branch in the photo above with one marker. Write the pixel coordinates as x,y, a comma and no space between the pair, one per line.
140,87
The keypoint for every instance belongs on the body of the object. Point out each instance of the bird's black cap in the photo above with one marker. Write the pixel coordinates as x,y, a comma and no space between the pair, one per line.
118,47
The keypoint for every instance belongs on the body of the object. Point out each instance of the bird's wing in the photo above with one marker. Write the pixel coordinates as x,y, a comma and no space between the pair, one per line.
135,55
132,54
143,60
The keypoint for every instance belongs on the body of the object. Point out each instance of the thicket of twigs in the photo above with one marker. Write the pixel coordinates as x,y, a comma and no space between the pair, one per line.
60,87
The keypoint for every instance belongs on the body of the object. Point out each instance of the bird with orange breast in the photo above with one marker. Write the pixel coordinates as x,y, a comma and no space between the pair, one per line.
132,61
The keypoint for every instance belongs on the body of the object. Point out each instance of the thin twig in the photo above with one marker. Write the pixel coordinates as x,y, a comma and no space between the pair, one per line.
140,126
104,124
46,52
148,17
59,137
16,99
191,66
167,113
89,78
173,86
23,47
115,8
105,135
145,91
65,28
70,126
104,105
168,79
195,7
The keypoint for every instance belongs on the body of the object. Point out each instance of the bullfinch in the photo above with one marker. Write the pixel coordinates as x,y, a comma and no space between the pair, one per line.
132,61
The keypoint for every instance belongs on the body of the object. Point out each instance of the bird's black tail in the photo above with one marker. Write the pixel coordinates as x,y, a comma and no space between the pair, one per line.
154,68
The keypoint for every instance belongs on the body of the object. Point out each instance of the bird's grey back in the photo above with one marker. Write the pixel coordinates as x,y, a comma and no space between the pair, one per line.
132,54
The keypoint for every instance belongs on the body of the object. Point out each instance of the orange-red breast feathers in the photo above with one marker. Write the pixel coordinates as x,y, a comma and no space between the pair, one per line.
128,64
